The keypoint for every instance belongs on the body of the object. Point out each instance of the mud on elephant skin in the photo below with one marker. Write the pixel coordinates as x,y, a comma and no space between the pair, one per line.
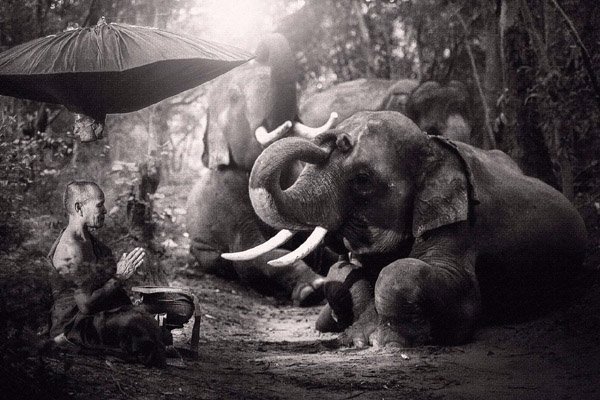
249,108
442,232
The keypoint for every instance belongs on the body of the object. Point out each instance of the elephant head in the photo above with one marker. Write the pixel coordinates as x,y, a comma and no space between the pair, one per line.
442,110
414,184
429,254
399,94
252,106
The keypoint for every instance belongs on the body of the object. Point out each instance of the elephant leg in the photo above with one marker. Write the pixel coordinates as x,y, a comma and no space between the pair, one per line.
214,208
349,294
309,293
417,302
327,321
209,259
297,281
221,219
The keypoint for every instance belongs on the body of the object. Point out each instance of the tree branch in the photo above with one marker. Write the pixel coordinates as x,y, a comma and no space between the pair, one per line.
54,116
90,15
365,38
418,27
539,45
587,60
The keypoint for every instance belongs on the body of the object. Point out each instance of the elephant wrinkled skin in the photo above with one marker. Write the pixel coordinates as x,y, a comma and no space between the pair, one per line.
441,232
258,98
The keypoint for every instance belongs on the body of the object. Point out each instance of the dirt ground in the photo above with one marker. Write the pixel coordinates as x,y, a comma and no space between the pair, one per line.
252,347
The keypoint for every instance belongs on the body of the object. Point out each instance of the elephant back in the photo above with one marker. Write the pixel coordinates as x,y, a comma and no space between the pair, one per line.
350,97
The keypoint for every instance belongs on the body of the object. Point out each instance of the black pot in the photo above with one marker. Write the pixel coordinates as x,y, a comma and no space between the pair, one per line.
177,303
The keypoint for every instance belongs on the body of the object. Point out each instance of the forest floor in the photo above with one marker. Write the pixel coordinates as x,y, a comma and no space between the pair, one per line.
255,347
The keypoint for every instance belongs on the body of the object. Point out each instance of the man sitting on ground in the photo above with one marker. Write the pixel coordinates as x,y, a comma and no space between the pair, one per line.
91,309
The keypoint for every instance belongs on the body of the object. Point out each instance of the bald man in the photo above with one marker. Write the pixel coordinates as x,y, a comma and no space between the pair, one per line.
91,309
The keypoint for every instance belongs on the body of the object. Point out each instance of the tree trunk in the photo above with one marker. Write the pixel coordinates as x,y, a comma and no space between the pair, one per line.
140,205
561,152
523,138
561,146
489,140
39,18
94,13
420,45
365,39
91,160
492,78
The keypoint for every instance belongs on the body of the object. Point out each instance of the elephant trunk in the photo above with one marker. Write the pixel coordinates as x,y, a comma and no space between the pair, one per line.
311,201
275,52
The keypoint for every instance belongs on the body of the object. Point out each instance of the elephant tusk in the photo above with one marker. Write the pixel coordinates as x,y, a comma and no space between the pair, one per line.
309,133
317,283
282,236
315,238
265,137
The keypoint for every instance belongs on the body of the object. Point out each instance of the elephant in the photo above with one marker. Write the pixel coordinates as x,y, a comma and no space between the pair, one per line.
437,109
363,94
248,108
442,235
444,110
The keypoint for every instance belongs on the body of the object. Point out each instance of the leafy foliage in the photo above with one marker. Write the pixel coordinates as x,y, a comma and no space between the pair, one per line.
28,169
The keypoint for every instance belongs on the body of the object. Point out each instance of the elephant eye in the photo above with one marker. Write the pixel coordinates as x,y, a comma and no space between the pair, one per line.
363,184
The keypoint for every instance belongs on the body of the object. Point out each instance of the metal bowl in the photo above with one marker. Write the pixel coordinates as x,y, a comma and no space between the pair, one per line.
177,303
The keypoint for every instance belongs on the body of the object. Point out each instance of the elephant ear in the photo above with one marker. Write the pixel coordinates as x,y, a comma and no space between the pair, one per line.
418,97
447,193
398,96
215,152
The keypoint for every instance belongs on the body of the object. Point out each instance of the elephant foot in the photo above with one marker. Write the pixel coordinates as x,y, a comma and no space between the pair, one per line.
371,330
360,333
328,321
209,260
309,294
386,336
367,333
407,333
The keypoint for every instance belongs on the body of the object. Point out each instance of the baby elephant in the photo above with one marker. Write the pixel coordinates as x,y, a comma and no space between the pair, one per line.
441,233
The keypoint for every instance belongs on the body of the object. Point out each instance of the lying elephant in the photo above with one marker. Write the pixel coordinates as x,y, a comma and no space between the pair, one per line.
439,231
444,110
249,107
348,98
437,109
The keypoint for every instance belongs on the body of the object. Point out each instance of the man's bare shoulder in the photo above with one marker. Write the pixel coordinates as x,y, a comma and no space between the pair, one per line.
69,254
